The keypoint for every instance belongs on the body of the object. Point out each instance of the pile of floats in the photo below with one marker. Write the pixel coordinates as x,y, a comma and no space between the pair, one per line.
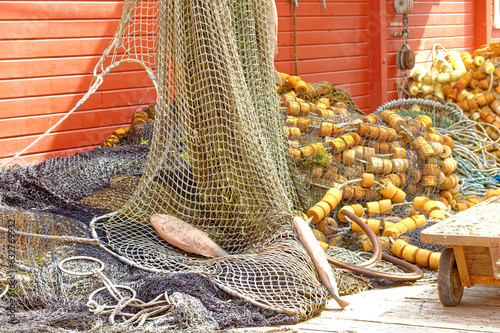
471,81
375,164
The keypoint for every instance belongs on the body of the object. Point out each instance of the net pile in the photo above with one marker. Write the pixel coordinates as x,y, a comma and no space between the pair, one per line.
214,156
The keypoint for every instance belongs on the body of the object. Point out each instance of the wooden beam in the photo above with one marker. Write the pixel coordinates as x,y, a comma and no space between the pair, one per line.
483,13
377,53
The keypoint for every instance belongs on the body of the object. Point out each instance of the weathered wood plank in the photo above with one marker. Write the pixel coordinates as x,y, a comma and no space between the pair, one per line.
478,260
15,127
59,10
413,309
32,106
407,306
71,84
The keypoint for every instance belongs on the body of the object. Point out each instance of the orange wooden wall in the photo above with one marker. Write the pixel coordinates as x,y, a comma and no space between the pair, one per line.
48,50
332,44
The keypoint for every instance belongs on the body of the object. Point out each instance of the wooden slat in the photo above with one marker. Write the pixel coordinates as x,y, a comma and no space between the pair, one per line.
335,78
307,52
323,37
57,29
306,9
441,7
60,29
29,49
432,19
73,84
362,102
31,68
463,42
15,127
377,49
59,10
40,157
58,141
340,64
417,33
478,260
322,23
483,13
33,106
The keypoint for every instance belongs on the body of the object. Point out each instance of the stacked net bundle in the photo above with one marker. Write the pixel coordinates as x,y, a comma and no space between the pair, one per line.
217,159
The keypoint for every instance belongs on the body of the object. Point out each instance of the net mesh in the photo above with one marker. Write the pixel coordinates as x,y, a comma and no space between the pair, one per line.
216,159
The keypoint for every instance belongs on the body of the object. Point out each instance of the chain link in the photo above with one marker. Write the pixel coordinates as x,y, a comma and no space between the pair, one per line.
406,31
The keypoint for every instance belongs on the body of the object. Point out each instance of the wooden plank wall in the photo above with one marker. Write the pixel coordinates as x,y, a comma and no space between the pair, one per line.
334,44
48,50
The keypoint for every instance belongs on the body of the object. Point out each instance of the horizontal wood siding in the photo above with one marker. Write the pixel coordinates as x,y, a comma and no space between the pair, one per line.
332,44
48,51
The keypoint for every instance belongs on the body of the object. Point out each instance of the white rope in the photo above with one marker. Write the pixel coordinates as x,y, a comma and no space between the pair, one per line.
149,309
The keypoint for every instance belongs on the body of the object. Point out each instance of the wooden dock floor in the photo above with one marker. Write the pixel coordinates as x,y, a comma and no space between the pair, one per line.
414,309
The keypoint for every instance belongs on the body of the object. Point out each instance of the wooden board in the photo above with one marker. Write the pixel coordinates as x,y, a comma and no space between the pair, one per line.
438,234
415,309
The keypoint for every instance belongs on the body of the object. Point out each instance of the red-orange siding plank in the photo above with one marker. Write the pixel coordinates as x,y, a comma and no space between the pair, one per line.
427,43
27,49
338,78
31,68
57,29
377,49
338,64
59,10
70,84
316,9
484,21
323,37
15,127
32,106
430,19
323,23
37,158
58,141
442,8
434,31
306,52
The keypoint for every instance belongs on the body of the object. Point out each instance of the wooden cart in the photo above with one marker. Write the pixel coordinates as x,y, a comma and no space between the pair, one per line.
474,254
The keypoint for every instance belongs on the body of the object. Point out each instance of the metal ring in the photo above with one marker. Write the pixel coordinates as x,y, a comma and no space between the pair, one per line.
60,266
